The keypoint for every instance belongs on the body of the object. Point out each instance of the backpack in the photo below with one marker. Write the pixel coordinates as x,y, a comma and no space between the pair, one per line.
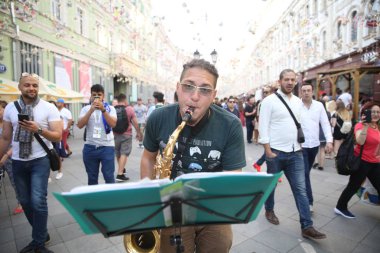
345,161
346,127
122,122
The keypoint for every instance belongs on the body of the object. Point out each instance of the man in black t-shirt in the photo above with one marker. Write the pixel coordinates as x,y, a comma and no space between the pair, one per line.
211,141
250,113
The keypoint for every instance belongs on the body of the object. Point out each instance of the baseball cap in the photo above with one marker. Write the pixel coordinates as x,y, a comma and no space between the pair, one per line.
60,100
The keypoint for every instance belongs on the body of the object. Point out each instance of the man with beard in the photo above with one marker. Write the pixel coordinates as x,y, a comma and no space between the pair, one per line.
283,152
204,146
30,163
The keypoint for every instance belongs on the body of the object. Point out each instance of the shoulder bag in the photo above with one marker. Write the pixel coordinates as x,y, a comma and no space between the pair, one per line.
300,135
346,163
55,160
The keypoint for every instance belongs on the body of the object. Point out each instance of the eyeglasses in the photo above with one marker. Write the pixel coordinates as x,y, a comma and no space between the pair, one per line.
190,88
375,112
231,101
25,74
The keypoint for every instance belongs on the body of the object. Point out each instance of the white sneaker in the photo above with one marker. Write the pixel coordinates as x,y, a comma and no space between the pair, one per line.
59,175
49,180
311,209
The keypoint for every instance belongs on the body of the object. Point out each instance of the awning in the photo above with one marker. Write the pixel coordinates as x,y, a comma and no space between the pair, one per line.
54,92
8,90
49,91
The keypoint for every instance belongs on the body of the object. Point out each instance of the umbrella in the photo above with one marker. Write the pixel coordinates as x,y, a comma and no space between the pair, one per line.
49,91
54,92
9,90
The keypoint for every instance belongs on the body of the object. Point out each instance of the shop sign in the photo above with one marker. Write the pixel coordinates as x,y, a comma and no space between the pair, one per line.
3,68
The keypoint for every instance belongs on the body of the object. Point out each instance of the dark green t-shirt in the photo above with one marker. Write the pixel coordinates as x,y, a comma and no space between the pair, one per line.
215,144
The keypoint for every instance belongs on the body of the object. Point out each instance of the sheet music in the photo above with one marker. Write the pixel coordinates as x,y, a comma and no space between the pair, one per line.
144,183
221,174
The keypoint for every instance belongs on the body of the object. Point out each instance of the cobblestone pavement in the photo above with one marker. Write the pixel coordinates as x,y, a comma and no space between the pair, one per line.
343,235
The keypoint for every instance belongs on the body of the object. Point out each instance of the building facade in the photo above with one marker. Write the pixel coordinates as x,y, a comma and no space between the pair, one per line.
313,36
75,44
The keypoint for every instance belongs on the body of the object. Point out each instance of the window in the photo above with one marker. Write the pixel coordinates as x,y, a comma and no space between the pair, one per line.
324,4
80,20
315,8
30,58
324,42
97,29
354,27
56,9
110,42
339,30
372,12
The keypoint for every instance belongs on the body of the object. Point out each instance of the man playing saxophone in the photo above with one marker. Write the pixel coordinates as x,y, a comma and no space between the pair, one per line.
211,141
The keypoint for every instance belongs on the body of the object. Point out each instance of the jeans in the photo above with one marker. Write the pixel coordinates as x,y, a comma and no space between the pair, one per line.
292,165
31,180
309,155
250,128
261,160
93,156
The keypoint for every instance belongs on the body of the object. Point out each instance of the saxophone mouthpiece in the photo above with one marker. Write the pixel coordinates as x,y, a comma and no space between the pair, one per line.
187,116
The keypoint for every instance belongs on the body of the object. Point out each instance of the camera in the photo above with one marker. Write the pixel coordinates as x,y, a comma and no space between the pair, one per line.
368,117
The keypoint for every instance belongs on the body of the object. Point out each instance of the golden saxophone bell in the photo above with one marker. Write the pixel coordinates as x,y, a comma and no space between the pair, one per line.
149,241
142,242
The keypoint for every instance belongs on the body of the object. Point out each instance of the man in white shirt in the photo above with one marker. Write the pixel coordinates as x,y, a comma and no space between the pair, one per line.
30,162
313,114
99,118
67,122
283,152
140,111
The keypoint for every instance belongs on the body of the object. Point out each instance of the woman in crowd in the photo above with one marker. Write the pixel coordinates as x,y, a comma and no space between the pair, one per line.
337,120
368,135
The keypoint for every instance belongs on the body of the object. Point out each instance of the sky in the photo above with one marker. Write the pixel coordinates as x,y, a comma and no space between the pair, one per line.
230,27
205,25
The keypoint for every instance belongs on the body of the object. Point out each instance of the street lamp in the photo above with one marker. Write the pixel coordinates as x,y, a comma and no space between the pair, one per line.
214,56
196,54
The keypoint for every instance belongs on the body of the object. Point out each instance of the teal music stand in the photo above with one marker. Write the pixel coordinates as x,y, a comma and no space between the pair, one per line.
191,199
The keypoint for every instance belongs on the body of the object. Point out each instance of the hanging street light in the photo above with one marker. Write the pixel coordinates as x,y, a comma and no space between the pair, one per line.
214,56
196,54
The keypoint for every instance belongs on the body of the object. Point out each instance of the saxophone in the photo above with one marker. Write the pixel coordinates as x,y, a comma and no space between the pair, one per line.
149,241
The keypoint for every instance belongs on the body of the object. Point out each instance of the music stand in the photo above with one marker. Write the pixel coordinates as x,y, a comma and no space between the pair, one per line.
192,199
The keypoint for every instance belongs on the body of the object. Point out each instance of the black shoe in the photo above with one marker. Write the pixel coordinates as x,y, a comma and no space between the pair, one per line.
28,248
320,168
32,246
42,249
121,178
124,171
315,165
47,239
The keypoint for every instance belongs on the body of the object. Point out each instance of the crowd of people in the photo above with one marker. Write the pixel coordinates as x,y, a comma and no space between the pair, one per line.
325,123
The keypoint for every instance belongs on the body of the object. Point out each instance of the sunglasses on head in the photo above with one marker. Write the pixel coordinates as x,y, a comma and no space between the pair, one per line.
25,74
